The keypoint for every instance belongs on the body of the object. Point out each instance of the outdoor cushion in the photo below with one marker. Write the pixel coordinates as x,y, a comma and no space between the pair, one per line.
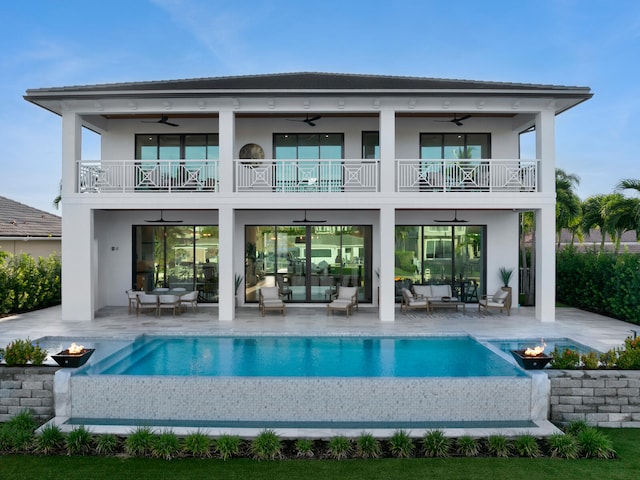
500,296
422,290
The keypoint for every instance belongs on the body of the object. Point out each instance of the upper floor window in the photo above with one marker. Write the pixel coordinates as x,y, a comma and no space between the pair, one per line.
455,145
371,145
292,146
177,147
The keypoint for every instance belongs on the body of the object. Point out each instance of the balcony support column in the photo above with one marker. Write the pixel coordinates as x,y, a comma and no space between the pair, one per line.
545,150
227,254
546,264
387,298
71,152
226,142
387,151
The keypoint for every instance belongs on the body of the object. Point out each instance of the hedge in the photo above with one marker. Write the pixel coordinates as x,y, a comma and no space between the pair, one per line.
27,283
600,282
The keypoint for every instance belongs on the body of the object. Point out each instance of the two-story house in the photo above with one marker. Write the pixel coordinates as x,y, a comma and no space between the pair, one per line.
306,181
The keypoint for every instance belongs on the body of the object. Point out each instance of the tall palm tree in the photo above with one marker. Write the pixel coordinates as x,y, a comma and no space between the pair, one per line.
629,184
593,216
621,215
568,205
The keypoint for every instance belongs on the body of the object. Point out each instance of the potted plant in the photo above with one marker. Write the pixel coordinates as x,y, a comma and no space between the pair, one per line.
505,276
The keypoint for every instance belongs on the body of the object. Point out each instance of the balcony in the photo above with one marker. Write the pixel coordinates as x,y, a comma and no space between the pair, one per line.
467,175
298,176
307,176
120,176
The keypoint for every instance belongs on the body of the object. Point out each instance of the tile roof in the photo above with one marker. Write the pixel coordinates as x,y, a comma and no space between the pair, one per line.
311,81
20,220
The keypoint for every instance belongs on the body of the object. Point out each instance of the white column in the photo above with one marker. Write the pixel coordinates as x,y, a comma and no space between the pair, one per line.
79,264
387,150
386,309
546,219
71,152
226,137
546,264
226,302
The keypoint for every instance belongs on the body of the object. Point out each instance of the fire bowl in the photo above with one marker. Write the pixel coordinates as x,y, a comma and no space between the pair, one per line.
531,362
73,360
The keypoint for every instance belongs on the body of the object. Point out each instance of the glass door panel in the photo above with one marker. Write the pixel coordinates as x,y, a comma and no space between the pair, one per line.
206,260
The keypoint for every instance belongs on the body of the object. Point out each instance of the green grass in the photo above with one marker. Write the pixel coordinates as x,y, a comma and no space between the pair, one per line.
625,441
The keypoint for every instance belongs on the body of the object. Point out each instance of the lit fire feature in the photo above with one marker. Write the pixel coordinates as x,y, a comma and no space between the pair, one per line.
75,349
535,351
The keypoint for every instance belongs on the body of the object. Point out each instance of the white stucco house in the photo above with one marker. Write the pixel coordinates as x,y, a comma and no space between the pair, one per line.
305,180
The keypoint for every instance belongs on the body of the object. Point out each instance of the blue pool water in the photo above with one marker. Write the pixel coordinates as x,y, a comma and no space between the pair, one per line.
456,356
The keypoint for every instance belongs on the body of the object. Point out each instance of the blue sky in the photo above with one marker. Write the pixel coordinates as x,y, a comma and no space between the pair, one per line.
594,43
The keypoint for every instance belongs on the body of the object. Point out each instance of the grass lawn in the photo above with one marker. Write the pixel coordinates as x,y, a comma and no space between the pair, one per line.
625,441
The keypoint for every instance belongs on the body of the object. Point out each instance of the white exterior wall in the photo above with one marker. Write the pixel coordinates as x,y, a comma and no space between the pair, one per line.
97,243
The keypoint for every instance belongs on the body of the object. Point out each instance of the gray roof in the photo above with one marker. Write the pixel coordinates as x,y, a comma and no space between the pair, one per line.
288,82
20,220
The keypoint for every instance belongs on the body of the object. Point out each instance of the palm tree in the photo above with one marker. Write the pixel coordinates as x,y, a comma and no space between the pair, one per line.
628,184
592,216
621,215
58,199
568,205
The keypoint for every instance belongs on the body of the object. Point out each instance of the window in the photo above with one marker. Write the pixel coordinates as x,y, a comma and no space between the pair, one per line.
308,172
370,145
194,149
435,146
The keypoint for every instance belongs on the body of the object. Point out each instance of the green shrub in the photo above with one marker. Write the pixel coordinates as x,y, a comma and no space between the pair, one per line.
79,441
609,359
22,352
50,439
435,444
139,442
23,421
304,448
564,359
526,446
266,446
498,445
590,360
629,358
17,434
468,446
595,444
197,444
106,444
227,446
367,446
165,445
27,283
401,444
563,446
339,447
575,427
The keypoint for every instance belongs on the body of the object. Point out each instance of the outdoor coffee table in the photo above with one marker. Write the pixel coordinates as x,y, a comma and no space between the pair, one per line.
448,303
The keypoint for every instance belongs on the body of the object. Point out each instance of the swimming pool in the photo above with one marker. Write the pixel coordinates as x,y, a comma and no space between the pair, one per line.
381,397
452,356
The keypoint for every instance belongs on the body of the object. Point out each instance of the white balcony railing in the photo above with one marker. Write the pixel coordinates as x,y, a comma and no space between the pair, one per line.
112,176
307,176
147,176
467,175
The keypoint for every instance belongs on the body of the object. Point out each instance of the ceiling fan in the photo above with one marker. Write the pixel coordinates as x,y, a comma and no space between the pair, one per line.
309,120
163,119
457,120
162,220
454,220
306,220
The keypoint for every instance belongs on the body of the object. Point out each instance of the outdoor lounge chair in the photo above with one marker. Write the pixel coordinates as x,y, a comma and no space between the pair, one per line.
501,299
132,295
269,299
411,301
346,300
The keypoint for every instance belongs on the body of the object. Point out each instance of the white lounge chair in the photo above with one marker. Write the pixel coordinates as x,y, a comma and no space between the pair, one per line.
269,299
501,299
346,300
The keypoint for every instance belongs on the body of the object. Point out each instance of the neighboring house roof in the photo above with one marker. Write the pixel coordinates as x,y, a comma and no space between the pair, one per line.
628,241
304,82
20,220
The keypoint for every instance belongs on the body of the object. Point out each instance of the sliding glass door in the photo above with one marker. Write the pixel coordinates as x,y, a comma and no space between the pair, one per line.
308,262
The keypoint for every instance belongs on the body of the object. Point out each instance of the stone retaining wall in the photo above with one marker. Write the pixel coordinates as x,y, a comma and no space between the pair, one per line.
604,398
27,388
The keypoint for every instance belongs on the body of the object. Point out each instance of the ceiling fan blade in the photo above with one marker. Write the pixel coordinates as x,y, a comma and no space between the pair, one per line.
455,219
306,220
464,117
162,219
313,119
163,119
